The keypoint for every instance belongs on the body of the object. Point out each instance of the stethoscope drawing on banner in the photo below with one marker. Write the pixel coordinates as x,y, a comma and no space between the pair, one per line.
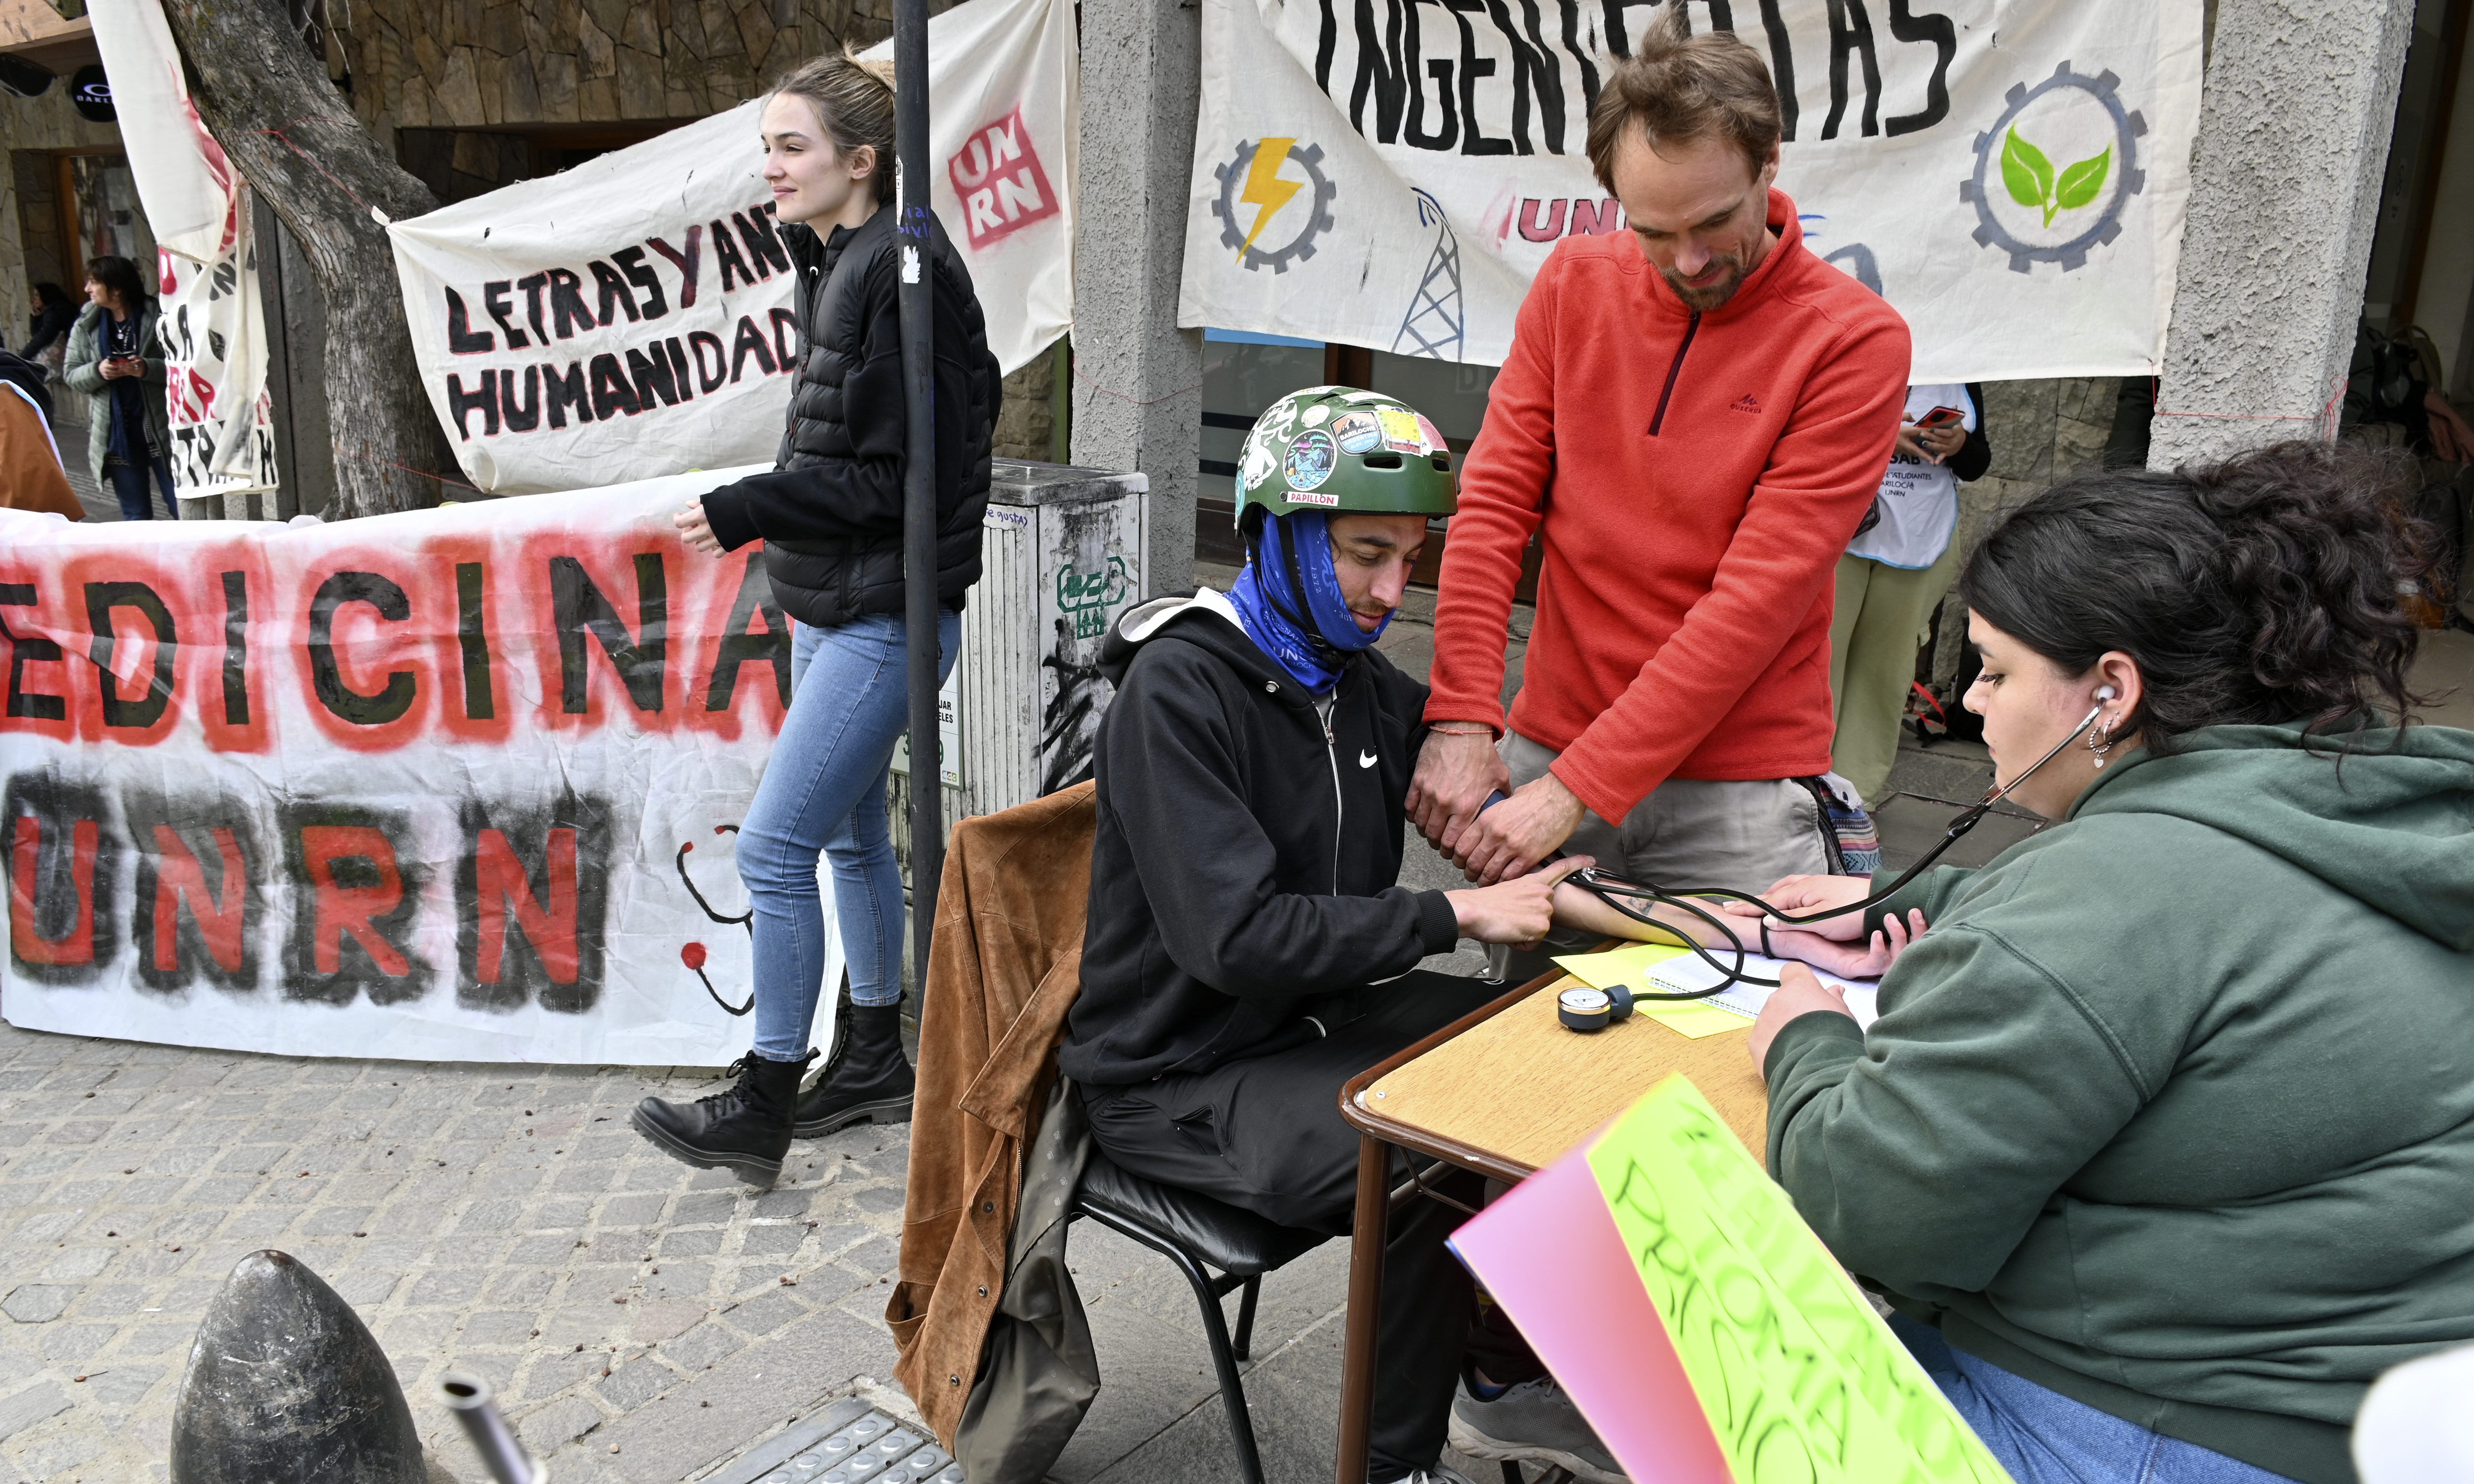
1621,895
692,954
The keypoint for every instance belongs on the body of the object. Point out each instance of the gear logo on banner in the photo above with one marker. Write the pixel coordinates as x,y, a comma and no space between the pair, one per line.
1255,178
2068,154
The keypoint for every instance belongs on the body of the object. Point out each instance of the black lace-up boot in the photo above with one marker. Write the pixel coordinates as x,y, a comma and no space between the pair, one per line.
868,1079
745,1128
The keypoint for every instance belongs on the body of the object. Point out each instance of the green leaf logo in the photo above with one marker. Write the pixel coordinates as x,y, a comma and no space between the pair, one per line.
2079,183
2026,171
2032,181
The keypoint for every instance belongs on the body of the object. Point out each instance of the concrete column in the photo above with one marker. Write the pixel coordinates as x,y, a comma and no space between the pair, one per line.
1137,380
2285,192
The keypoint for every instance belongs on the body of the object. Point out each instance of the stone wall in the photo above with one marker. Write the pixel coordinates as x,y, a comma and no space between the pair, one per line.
49,122
2042,432
1027,424
495,63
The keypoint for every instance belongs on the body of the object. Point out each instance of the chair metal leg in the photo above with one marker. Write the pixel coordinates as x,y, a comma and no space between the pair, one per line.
1215,1330
1243,1342
1224,1359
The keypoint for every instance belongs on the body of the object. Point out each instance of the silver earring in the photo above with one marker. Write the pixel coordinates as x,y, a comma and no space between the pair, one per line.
2101,741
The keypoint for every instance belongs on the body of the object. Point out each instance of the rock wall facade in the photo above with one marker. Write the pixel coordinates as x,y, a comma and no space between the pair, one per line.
492,63
32,128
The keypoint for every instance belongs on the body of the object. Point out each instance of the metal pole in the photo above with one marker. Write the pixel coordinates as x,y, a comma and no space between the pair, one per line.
469,1399
919,472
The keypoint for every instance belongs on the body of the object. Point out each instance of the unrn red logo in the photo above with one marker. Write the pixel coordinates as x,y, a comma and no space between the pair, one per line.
997,176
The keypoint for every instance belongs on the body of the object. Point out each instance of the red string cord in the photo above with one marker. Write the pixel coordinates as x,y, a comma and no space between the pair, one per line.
369,458
278,136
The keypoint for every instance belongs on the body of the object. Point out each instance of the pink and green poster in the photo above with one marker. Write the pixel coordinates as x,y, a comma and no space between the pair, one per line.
1699,1325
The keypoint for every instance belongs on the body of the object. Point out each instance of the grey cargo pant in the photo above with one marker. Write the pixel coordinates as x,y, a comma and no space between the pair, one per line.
1689,832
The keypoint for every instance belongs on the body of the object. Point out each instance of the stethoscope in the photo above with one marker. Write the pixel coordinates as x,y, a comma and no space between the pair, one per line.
1620,893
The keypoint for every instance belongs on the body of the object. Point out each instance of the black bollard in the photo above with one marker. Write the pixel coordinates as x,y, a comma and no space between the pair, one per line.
285,1385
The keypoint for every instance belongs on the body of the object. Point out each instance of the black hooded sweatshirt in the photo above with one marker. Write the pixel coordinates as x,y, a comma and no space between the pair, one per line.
1245,862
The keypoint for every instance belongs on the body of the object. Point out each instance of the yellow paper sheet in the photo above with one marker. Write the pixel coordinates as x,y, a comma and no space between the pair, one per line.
1799,1378
1630,966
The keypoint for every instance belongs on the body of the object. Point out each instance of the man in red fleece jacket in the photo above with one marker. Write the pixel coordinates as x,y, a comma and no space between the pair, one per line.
1698,413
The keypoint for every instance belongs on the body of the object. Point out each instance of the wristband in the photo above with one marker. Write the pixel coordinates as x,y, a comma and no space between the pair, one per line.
1470,729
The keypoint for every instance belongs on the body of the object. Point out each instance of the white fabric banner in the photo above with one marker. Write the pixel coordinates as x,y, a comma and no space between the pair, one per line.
456,784
631,316
2011,174
214,323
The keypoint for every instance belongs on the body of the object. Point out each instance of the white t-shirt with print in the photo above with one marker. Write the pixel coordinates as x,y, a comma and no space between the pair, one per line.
1919,501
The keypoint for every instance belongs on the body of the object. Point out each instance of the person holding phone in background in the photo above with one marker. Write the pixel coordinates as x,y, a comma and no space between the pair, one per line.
115,359
1896,570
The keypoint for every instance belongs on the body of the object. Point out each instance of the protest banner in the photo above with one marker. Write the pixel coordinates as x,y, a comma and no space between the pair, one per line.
457,784
1392,174
1752,1329
632,316
221,417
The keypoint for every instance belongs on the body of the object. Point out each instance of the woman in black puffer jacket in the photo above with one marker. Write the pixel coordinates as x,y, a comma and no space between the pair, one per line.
830,515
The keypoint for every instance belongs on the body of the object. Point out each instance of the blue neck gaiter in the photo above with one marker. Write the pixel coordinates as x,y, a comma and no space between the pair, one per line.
1289,599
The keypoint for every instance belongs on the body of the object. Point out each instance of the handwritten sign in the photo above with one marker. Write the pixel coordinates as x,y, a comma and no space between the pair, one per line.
458,784
1799,1378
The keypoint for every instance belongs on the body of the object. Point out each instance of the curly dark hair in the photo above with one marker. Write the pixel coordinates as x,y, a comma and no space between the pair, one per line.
2268,589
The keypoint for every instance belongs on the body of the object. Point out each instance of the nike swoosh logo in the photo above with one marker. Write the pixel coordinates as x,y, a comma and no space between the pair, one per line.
1366,760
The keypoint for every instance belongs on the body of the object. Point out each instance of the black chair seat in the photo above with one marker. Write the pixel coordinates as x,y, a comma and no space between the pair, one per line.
1237,1242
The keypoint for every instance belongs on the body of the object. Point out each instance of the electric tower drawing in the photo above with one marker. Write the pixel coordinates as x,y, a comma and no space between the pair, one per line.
1432,325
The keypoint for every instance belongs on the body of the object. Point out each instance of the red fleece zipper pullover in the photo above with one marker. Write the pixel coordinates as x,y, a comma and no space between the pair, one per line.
1698,476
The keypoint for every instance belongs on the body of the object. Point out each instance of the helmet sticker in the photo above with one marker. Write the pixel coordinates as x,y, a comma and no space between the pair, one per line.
1357,433
1306,498
1427,430
1316,414
1278,419
1400,429
1310,460
1259,465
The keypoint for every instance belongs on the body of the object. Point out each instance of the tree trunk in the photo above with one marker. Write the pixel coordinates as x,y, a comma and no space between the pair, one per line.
293,138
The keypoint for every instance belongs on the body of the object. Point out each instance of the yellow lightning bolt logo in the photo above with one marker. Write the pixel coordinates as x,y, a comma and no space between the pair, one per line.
1264,187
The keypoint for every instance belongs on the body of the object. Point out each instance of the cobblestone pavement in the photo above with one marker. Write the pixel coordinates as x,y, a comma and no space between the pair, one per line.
495,1219
644,1322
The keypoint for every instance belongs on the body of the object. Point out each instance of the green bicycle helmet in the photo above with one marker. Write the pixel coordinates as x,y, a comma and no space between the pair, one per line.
1336,449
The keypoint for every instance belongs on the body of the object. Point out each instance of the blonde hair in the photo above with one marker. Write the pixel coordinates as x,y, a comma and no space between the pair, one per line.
854,102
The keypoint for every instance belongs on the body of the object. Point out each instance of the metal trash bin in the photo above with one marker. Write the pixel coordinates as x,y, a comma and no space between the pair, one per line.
1061,557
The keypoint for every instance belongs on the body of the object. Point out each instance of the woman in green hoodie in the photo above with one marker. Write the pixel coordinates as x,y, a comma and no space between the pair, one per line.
2163,1145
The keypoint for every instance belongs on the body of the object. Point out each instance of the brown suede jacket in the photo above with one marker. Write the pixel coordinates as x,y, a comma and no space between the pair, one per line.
1005,967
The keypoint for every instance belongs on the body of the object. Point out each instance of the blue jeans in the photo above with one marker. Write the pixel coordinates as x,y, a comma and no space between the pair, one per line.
823,793
2042,1436
129,483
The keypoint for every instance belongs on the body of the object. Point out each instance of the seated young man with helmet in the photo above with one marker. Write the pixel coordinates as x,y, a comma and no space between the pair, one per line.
1250,948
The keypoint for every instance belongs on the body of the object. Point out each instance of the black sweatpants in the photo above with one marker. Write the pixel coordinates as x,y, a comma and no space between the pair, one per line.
1266,1133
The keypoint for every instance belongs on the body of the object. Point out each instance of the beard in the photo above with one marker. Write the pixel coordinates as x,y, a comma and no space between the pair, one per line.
1708,296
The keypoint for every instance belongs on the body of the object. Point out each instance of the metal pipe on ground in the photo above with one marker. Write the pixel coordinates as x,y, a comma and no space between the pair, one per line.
915,300
476,1409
